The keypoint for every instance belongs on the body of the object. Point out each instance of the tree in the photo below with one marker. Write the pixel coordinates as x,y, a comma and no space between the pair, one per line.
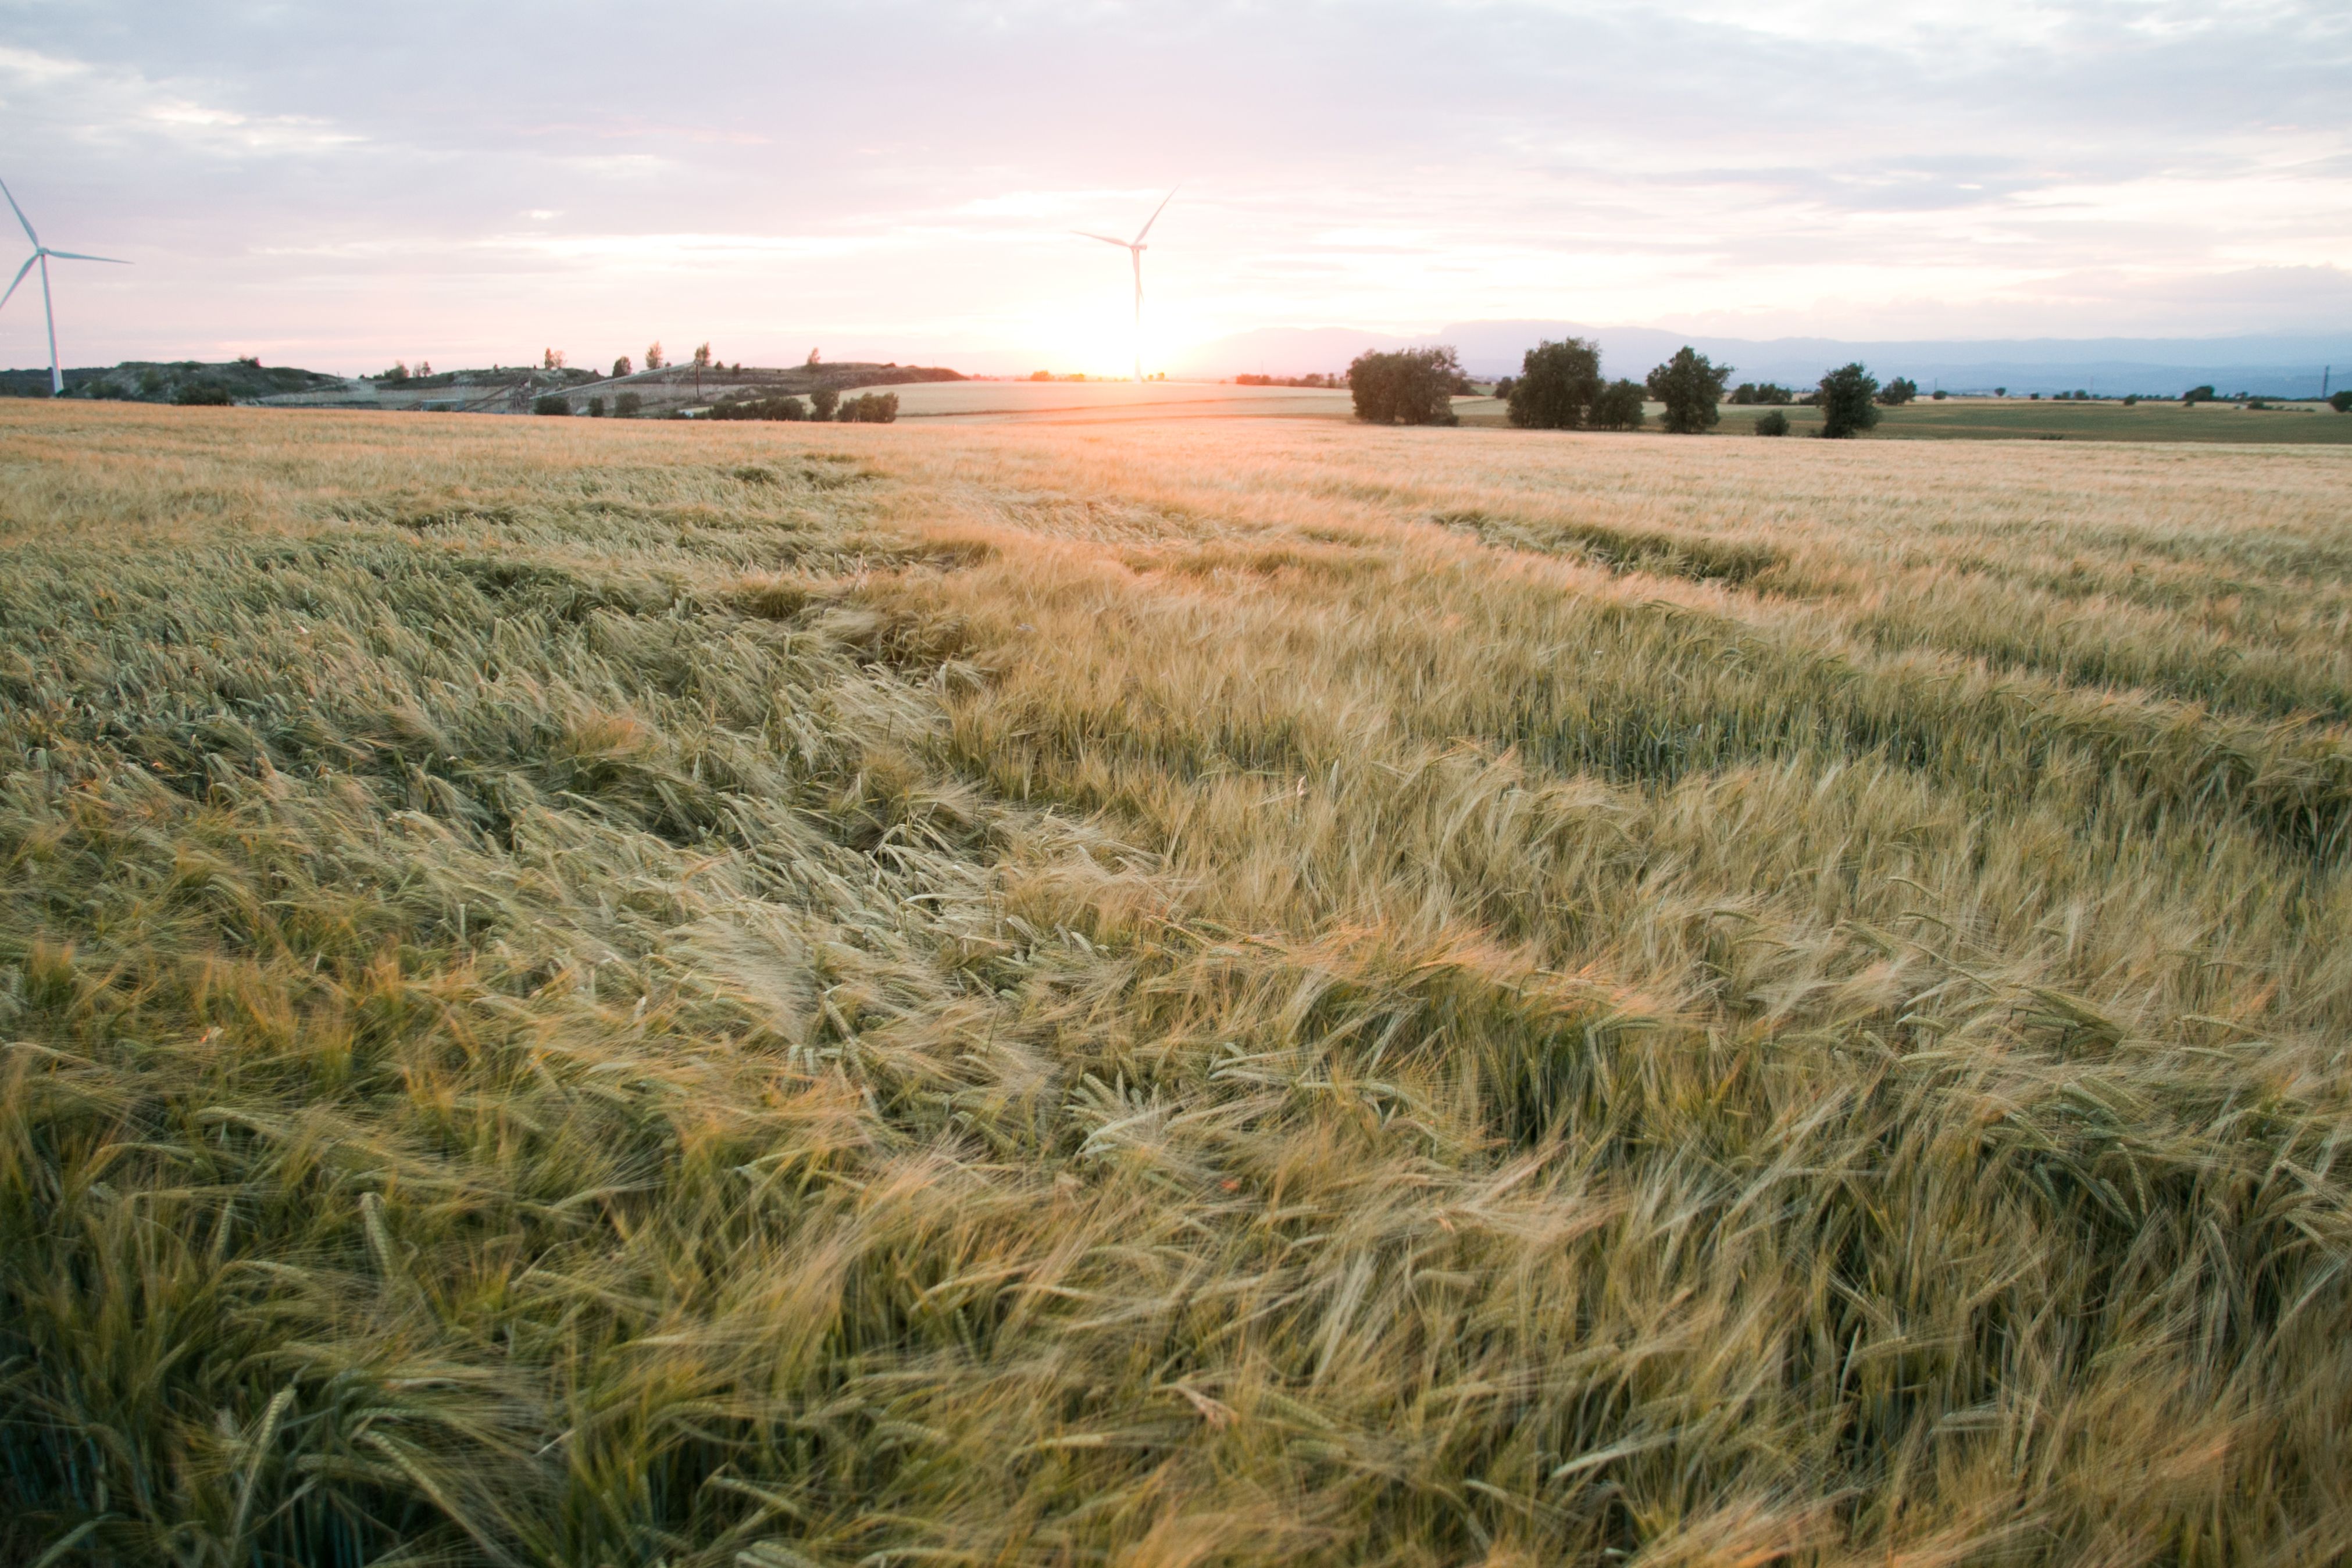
823,402
424,367
1413,386
1772,424
1503,388
1557,384
550,359
701,355
2341,402
1845,398
2198,394
1618,406
653,361
1899,391
870,408
596,408
1690,385
621,367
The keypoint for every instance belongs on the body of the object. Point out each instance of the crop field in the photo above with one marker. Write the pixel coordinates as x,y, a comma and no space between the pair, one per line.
2023,419
588,992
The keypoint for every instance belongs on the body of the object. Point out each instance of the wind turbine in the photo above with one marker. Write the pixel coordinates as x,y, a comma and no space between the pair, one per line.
41,255
1135,248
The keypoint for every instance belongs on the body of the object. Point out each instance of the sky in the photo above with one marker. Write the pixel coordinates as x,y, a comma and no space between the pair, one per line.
340,185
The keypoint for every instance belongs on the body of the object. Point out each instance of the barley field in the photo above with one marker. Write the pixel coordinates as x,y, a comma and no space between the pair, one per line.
1240,993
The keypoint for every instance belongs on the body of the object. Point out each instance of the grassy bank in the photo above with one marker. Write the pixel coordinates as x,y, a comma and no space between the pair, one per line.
585,992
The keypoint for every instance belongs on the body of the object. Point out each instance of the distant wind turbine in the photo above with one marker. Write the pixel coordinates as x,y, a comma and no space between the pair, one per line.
1135,248
41,255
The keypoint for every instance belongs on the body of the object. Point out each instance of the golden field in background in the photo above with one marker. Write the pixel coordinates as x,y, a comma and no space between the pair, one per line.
1178,993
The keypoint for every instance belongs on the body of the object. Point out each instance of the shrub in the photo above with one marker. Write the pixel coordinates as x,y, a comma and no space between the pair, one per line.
1899,391
596,408
2341,402
1939,394
202,394
1845,397
1557,385
550,403
788,409
1690,385
2198,394
1618,406
1413,386
627,404
1772,424
823,402
2132,401
1760,392
871,408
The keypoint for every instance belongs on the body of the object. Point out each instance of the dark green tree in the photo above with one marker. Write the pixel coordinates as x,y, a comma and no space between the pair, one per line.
2341,402
1618,406
1899,391
823,402
1556,385
1774,422
1845,398
2198,394
1690,385
1413,386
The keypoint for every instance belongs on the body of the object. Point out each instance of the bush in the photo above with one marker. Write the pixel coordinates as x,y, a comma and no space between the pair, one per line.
1413,386
1939,394
2341,402
788,409
1845,398
2198,394
1899,391
870,408
1557,385
1503,387
1690,385
2132,401
1618,406
596,408
627,404
553,403
1760,392
202,394
1772,424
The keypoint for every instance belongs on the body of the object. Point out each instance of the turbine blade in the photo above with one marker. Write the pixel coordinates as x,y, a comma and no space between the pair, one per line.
1104,238
21,218
77,256
20,275
1155,214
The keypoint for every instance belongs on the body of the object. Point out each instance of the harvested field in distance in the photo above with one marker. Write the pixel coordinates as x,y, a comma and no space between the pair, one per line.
590,992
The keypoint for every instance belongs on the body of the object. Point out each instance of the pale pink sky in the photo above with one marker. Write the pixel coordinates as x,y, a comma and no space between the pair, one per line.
336,185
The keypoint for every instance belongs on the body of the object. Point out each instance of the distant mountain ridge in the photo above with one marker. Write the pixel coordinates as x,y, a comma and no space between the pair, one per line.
2273,364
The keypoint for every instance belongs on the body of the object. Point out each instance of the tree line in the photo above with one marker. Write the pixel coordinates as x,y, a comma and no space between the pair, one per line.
1559,387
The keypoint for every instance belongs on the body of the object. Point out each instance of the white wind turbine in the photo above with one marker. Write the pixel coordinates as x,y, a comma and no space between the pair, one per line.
41,255
1135,248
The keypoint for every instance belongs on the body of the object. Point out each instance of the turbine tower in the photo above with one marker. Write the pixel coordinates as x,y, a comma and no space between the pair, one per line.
41,255
1135,248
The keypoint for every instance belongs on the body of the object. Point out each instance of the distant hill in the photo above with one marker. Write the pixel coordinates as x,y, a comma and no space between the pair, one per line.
2277,365
160,380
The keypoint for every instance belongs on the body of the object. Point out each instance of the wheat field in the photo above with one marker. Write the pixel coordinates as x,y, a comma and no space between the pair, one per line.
609,994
